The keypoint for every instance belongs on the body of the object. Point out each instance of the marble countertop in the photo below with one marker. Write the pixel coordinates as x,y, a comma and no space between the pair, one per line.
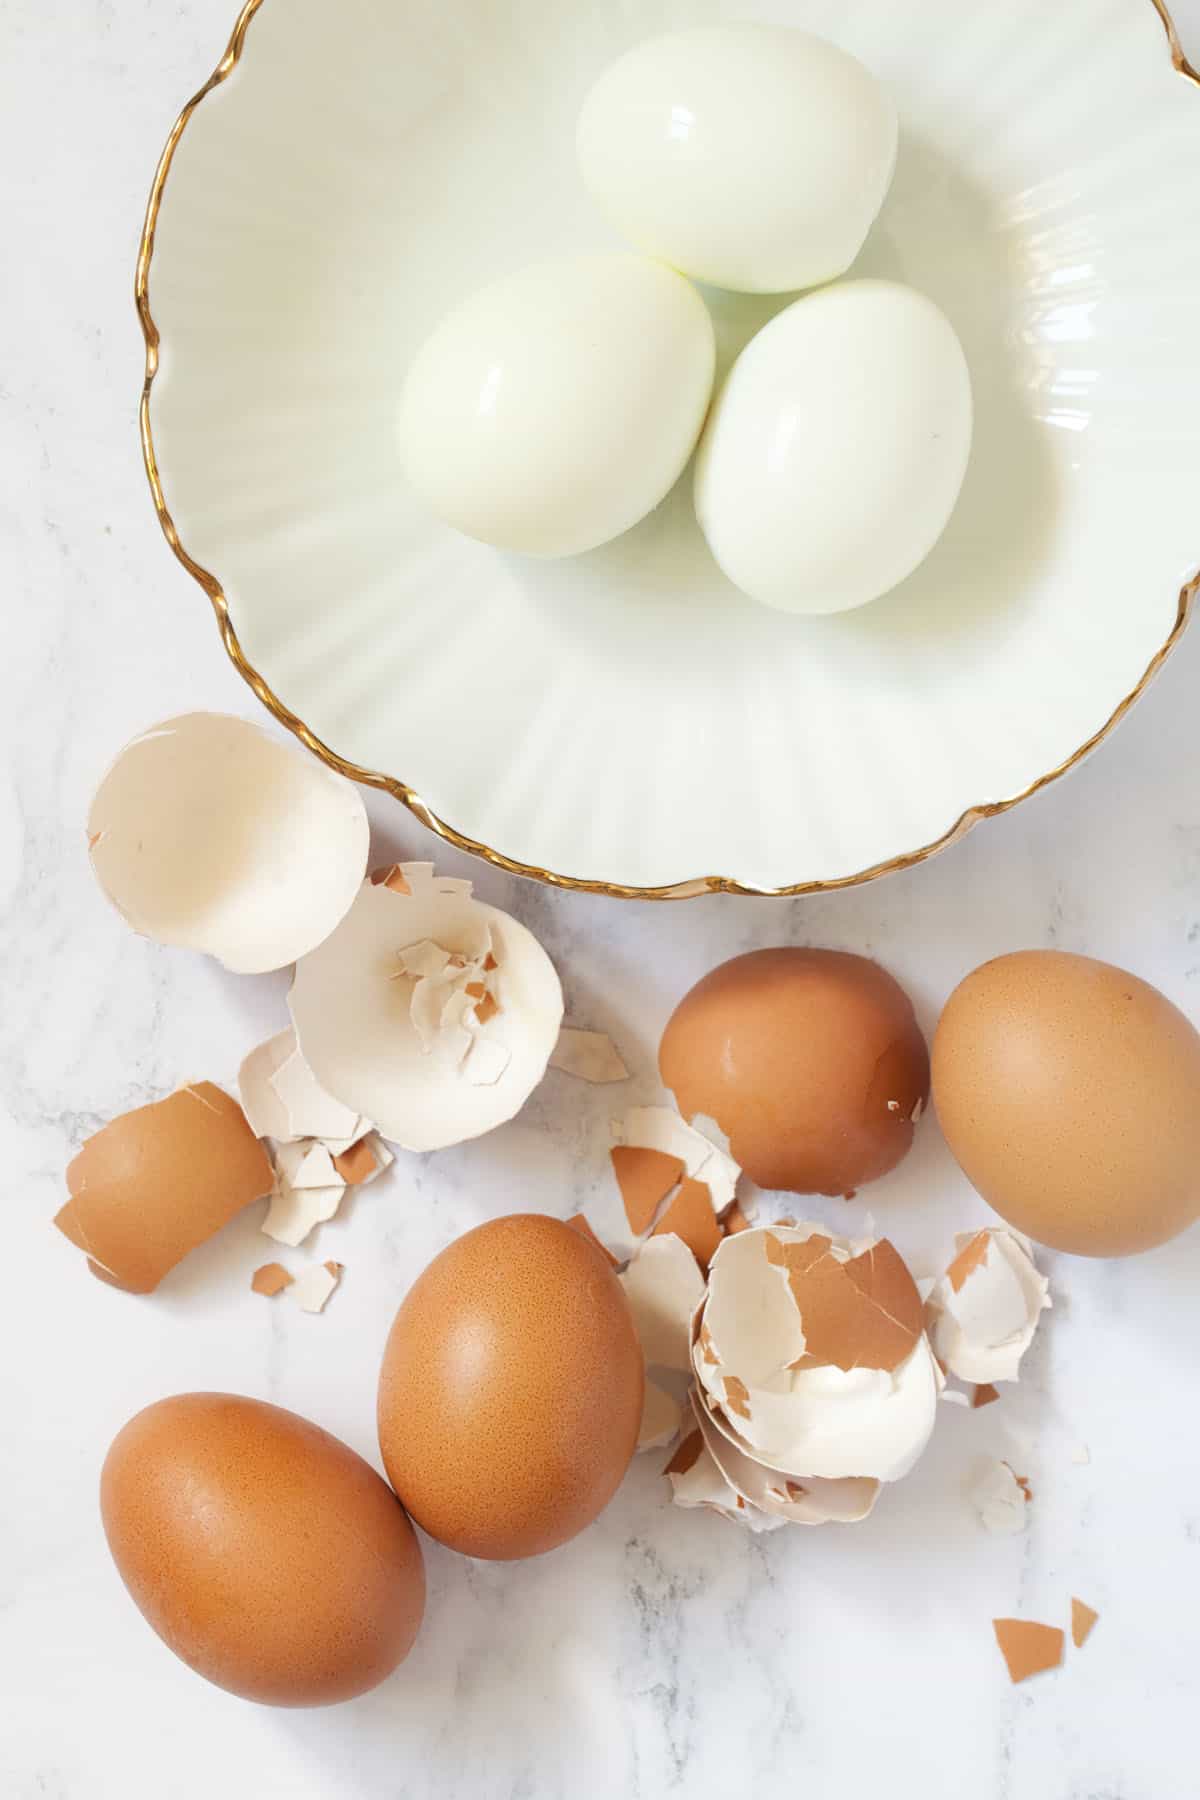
662,1651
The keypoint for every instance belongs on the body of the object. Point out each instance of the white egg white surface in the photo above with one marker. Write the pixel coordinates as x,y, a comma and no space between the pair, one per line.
556,407
836,449
751,156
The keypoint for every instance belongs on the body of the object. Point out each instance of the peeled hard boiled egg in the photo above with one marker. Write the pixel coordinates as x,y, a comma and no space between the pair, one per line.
555,408
1069,1092
836,449
510,1395
754,157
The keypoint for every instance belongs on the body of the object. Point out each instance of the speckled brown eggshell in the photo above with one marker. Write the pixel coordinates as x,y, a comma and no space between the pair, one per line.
511,1389
810,1061
1069,1092
264,1552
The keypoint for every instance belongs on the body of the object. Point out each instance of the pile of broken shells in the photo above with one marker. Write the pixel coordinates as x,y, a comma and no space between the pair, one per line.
813,1365
796,1372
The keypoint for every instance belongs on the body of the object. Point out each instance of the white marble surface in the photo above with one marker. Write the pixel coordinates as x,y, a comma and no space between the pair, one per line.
661,1652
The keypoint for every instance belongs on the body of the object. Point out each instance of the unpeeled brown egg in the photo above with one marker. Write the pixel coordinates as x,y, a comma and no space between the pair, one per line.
264,1552
810,1061
1069,1092
510,1396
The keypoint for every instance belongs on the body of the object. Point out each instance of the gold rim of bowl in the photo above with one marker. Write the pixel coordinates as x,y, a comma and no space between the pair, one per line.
680,890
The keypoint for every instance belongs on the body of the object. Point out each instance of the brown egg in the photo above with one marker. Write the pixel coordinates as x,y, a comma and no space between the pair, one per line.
264,1552
810,1061
511,1389
1069,1091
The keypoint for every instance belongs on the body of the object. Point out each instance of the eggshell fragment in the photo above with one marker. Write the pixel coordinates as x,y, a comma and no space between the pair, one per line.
588,1055
664,1286
313,1288
158,1181
311,1182
1028,1648
363,1161
208,834
283,1099
660,1418
689,1215
858,1398
806,1500
658,1128
1001,1500
645,1178
294,1212
1083,1619
984,1310
401,1048
270,1280
696,1480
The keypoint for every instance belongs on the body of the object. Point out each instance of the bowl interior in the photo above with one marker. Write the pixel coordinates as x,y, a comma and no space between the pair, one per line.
627,717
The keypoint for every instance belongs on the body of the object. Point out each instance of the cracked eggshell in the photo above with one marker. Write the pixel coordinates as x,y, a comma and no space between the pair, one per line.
355,1014
811,1060
314,1286
661,1415
801,1500
208,834
984,1310
588,1055
1001,1498
664,1287
283,1099
156,1182
838,1416
697,1481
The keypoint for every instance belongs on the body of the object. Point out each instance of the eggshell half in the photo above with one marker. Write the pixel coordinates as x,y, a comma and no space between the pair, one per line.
156,1182
266,1554
1069,1092
208,834
510,1398
397,1039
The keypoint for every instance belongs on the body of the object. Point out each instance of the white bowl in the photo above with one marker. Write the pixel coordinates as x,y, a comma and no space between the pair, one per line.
626,720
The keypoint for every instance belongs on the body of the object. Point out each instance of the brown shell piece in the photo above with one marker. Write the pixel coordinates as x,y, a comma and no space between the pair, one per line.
686,1455
1083,1619
357,1164
811,1061
645,1178
689,1214
270,1280
158,1181
1028,1648
864,1313
969,1258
